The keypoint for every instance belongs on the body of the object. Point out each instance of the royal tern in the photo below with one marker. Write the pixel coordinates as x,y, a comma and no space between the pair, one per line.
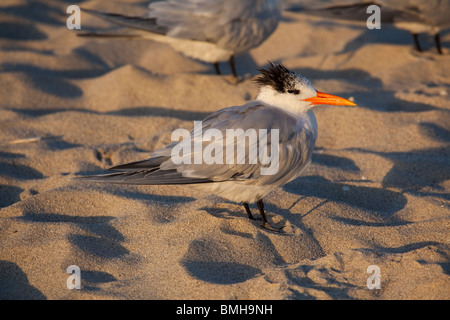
212,31
281,113
416,16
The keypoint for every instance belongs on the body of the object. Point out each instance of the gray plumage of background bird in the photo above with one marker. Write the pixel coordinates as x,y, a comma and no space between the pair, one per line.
416,16
212,31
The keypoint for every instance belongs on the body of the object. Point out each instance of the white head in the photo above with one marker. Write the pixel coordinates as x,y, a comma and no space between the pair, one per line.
287,90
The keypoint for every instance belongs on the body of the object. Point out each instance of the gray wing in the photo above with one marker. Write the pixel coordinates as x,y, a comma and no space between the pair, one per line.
295,148
145,172
390,13
238,25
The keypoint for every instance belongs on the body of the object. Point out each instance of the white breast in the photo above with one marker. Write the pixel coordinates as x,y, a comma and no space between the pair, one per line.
204,51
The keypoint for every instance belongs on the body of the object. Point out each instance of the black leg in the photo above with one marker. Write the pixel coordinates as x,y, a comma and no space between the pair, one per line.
437,41
216,67
416,42
265,224
247,209
260,205
233,67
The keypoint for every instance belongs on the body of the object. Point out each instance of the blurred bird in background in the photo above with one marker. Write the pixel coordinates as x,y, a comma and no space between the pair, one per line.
211,31
416,16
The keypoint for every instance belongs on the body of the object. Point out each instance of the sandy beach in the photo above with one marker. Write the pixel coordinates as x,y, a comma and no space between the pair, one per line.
377,192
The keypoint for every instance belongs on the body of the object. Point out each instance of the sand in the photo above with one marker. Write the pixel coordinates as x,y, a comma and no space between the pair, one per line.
376,192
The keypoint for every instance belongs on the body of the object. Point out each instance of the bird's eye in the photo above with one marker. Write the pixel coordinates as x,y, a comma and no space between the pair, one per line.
294,91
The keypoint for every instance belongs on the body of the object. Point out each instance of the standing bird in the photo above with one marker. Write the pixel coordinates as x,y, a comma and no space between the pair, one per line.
282,110
416,16
212,31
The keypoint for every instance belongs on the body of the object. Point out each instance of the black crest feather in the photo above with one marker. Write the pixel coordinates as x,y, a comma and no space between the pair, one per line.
277,76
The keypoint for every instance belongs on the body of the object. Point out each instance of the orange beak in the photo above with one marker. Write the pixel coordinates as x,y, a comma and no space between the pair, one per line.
325,98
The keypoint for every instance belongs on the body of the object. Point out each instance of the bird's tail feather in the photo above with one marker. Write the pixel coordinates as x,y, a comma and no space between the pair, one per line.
135,22
144,177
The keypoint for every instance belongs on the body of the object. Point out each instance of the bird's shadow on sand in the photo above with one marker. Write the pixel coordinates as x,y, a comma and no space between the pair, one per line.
417,170
380,203
366,198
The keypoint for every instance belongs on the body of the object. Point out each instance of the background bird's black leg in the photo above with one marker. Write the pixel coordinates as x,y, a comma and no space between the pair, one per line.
416,42
437,41
260,205
232,66
265,223
247,209
216,67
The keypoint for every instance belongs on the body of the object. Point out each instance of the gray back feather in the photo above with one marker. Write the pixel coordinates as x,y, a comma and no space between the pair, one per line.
235,25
